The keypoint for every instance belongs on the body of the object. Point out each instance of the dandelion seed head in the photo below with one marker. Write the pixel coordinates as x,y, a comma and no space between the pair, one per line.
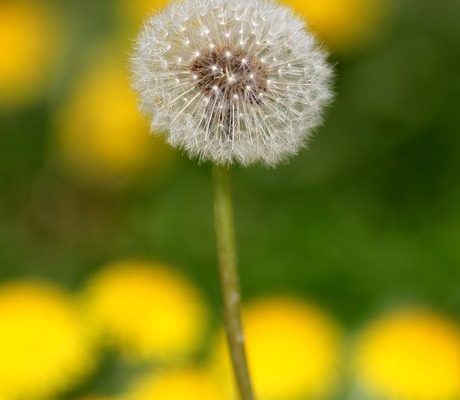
254,80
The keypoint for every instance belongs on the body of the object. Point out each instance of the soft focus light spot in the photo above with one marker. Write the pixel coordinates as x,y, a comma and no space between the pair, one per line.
146,309
191,384
96,397
43,347
101,138
410,355
343,24
294,350
29,41
134,12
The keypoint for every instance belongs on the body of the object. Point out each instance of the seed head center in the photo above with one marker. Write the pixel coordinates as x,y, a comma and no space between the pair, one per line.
230,74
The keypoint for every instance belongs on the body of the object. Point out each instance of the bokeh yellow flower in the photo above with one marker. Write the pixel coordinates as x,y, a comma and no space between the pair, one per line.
294,350
343,24
96,397
28,39
43,346
190,384
147,310
101,137
135,11
410,355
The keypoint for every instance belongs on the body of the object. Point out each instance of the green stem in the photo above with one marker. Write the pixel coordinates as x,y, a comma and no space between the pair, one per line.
229,279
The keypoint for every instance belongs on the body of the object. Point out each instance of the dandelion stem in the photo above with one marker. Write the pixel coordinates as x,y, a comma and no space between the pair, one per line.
229,279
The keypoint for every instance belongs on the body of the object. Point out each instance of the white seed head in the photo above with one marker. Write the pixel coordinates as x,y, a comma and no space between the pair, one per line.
231,81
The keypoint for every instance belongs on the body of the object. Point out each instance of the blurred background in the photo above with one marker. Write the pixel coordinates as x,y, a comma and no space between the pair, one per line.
349,255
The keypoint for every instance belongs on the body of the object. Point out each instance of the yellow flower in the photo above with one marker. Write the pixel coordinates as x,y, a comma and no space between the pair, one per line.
101,136
28,39
343,24
294,350
410,355
96,397
134,12
189,384
42,343
147,309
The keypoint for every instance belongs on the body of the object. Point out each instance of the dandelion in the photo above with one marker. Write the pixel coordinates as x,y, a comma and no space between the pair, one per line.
232,82
43,346
287,332
409,355
147,310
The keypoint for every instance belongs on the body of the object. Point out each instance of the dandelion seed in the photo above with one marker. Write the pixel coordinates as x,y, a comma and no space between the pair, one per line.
241,109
